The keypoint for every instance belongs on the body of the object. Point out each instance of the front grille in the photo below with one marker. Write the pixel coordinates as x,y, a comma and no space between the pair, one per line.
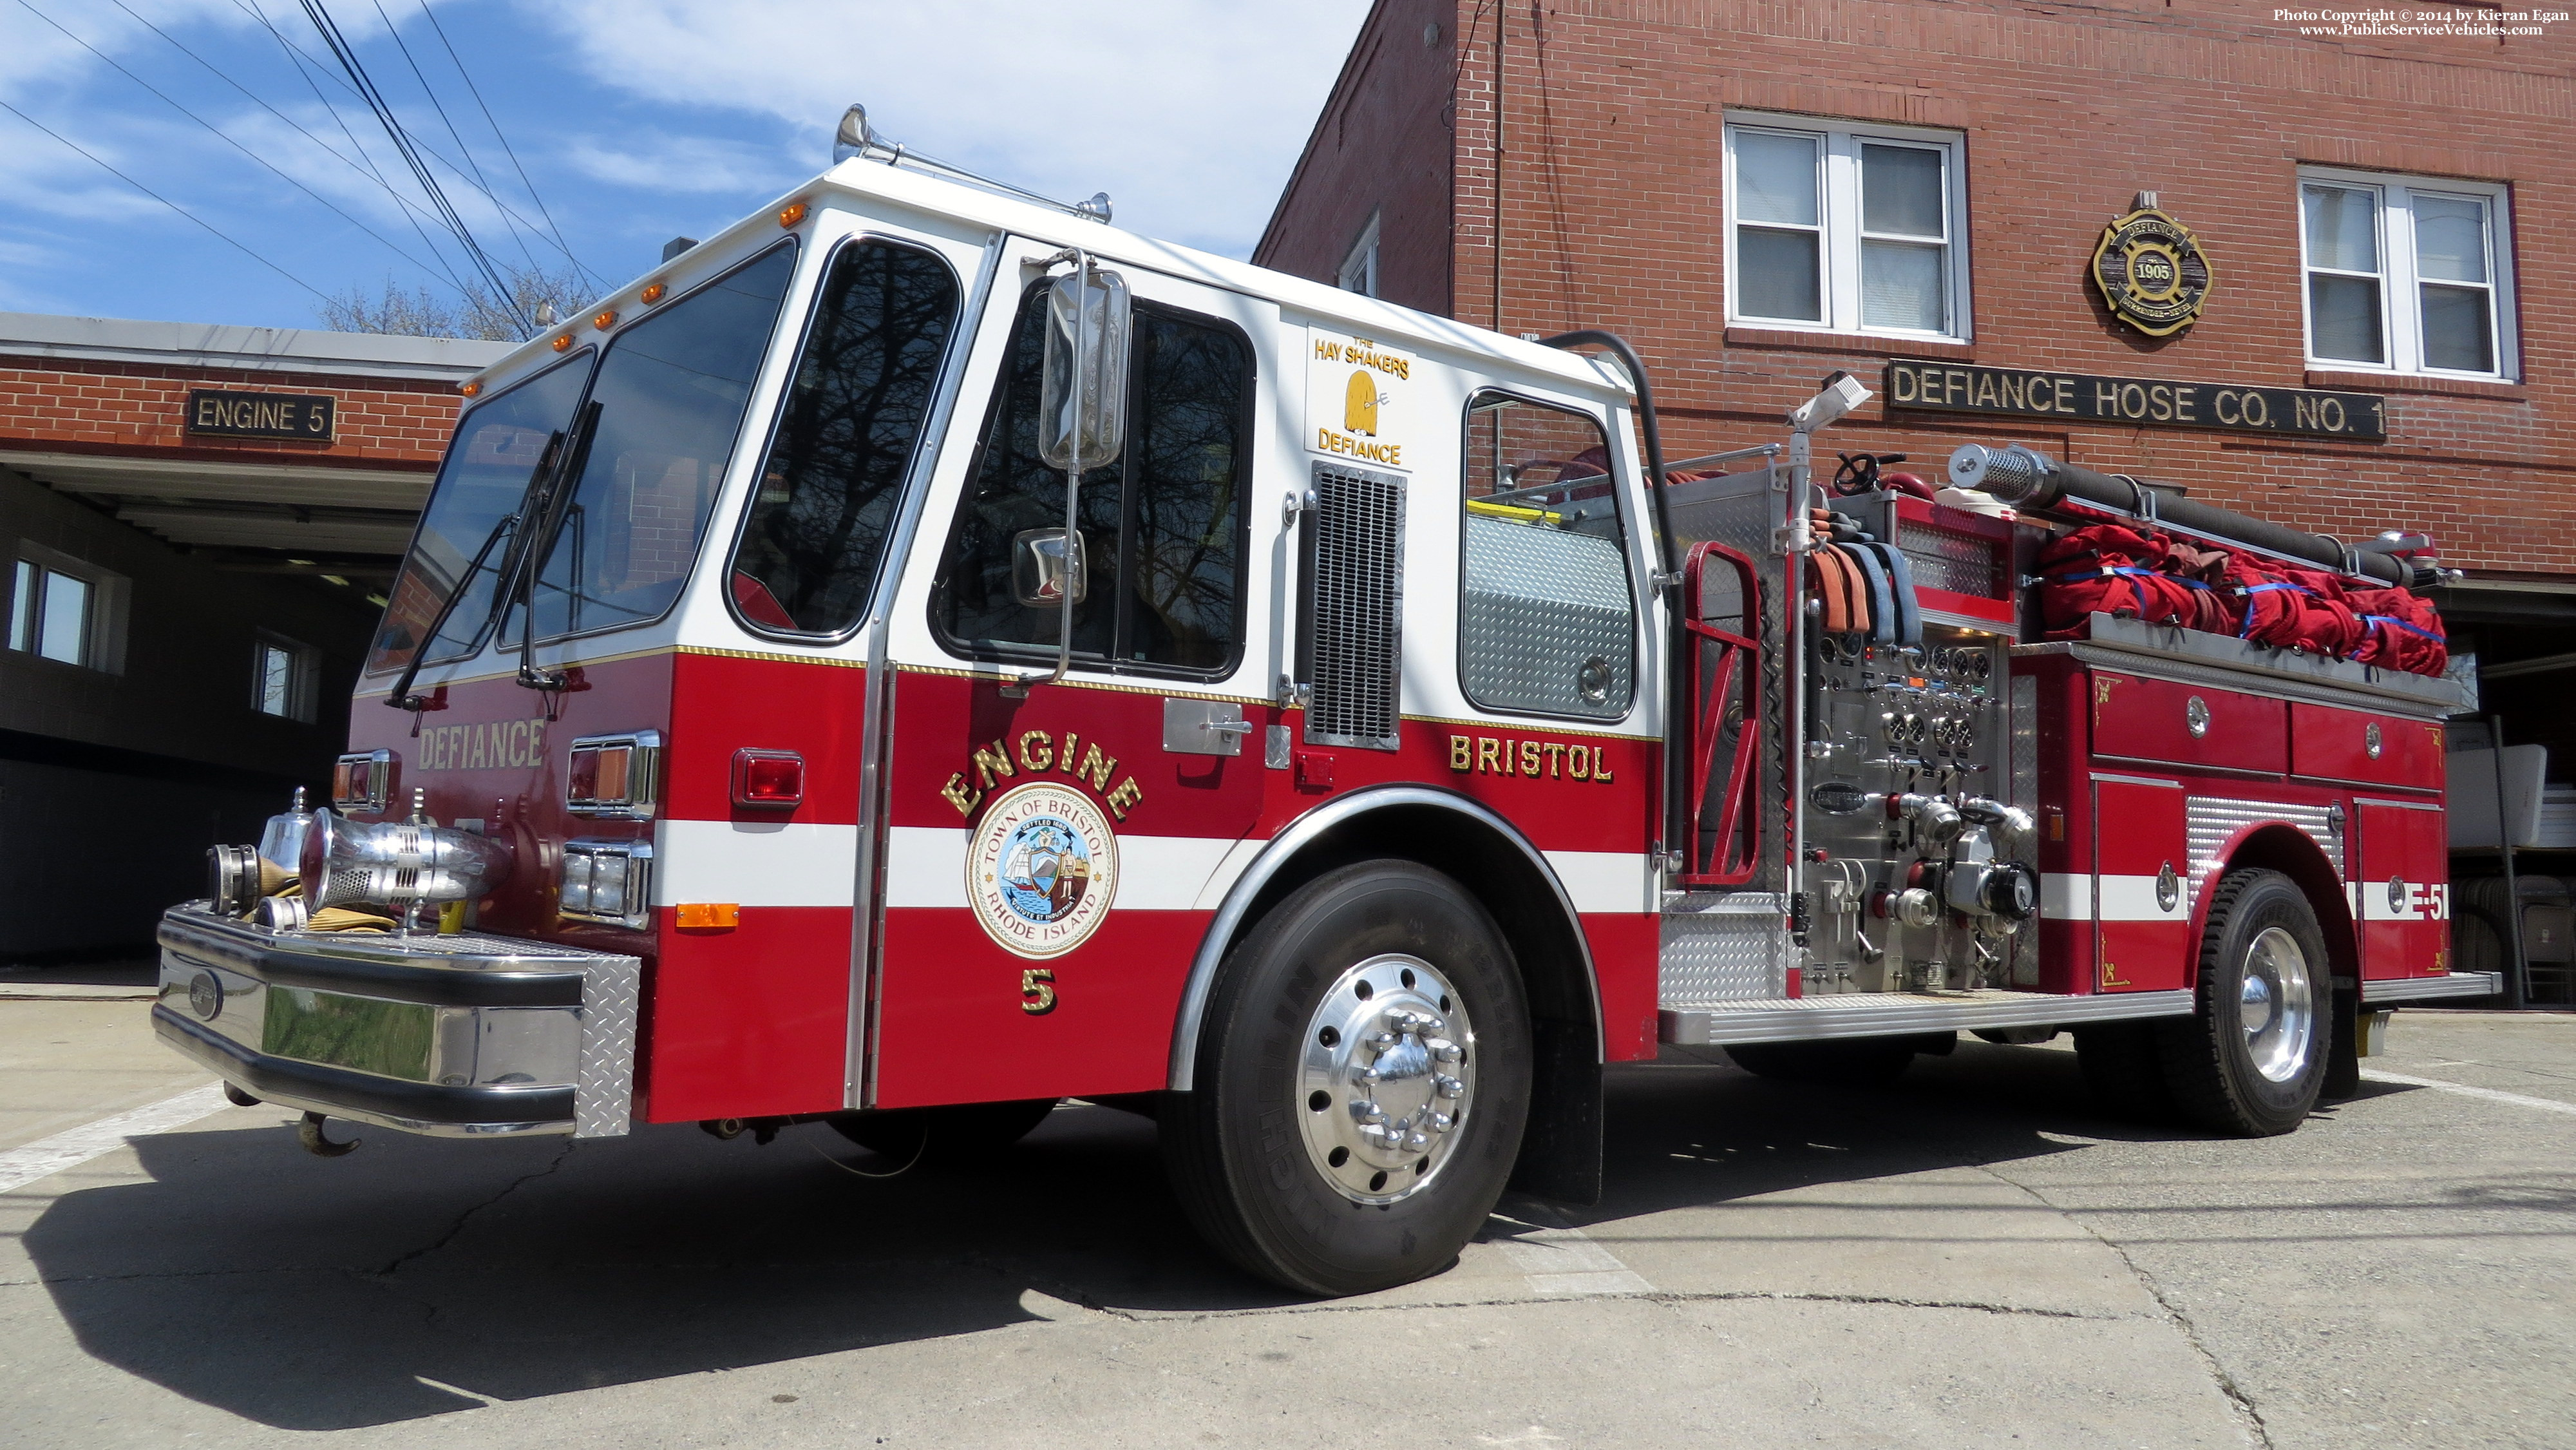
1352,635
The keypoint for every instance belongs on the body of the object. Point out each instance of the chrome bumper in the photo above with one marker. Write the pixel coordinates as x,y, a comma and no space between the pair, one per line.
453,1036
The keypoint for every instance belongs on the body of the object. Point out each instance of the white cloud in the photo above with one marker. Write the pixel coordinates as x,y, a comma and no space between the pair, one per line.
1188,112
682,164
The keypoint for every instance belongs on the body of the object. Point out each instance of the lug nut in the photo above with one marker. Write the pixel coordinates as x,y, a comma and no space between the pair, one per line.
1449,1087
1383,1040
1442,1122
1416,1142
1444,1051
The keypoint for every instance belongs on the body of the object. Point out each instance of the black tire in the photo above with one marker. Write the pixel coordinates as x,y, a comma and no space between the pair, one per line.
2124,1068
947,1135
1842,1062
1238,1148
2226,1074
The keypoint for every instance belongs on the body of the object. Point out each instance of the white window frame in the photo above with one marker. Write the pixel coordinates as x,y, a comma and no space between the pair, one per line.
302,683
102,628
2401,324
1838,216
1358,272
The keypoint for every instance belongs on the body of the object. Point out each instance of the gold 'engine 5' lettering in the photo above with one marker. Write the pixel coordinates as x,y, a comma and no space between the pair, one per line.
1552,759
1037,753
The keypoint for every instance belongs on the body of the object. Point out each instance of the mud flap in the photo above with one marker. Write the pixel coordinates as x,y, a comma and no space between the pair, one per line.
1561,1145
2343,1057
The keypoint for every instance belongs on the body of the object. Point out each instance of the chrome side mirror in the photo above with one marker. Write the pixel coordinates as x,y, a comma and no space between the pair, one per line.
1082,395
1041,570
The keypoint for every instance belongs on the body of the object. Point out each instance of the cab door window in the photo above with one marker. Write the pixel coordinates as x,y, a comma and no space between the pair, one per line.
1546,616
1162,525
847,433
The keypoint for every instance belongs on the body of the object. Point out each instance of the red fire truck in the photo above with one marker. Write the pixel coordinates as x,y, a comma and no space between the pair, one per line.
925,654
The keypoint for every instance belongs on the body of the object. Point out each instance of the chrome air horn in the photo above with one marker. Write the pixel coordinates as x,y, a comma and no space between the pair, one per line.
397,863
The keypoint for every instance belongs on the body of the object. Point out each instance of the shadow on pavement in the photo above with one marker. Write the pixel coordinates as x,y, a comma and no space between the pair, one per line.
308,1294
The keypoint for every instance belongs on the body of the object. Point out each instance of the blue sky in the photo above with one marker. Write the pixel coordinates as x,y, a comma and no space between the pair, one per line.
634,120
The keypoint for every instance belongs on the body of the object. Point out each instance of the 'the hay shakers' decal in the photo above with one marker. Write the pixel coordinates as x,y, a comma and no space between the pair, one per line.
2151,271
1355,398
1041,869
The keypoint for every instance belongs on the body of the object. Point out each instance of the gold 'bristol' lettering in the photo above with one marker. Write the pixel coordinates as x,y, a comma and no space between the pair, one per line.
1529,759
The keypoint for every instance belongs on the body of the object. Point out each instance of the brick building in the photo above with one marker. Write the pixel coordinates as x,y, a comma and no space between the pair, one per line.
190,593
1758,194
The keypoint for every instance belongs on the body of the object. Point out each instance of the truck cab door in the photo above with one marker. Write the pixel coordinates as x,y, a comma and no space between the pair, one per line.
1052,848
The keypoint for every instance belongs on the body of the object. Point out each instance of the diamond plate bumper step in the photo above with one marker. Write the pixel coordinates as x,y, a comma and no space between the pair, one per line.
2417,989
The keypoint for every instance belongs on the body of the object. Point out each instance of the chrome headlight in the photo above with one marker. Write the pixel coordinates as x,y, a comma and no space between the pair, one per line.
608,881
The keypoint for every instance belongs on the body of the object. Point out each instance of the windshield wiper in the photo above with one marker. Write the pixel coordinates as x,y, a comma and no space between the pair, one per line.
402,697
546,519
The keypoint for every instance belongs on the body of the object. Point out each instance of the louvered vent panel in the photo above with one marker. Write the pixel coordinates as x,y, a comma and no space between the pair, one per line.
1353,636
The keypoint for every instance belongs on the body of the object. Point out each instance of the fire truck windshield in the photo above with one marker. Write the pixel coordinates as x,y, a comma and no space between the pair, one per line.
498,445
671,391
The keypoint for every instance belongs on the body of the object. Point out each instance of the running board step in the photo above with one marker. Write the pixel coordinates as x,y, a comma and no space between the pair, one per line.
1894,1014
2416,989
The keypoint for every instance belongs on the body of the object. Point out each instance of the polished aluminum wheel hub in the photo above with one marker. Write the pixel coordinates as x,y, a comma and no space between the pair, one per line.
1386,1078
2277,1005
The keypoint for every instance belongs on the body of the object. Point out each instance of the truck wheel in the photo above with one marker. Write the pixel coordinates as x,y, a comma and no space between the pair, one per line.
1845,1062
2125,1070
2251,1059
1363,1075
950,1134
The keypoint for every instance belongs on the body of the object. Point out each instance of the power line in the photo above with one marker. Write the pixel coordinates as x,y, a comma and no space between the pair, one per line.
362,165
498,135
165,201
303,60
219,132
502,295
445,120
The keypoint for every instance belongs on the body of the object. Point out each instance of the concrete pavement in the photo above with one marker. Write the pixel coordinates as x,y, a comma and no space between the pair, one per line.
1973,1257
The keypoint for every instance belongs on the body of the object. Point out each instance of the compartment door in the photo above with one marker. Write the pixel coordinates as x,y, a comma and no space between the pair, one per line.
2403,889
2141,911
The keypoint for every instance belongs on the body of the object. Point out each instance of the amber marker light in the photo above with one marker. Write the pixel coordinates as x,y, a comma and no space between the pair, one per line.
469,389
563,343
653,293
792,213
708,915
604,320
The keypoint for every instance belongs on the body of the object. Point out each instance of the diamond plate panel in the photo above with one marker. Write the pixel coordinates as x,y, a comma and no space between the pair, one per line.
1734,947
1962,563
1538,605
603,1095
2209,822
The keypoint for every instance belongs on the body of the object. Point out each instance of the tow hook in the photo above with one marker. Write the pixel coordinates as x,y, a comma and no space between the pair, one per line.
763,1130
309,1133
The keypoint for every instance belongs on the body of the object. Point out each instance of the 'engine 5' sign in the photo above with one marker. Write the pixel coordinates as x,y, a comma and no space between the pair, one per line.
305,417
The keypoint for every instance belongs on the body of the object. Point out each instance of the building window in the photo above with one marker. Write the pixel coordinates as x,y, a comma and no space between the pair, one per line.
1359,268
2406,274
1846,230
62,610
282,679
